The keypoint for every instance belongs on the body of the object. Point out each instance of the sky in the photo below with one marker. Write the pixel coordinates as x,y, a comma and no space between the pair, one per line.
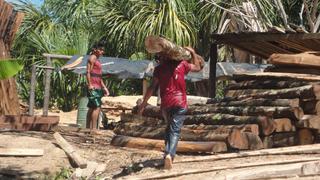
38,2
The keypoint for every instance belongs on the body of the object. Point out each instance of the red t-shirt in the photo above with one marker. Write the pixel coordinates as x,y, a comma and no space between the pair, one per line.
172,83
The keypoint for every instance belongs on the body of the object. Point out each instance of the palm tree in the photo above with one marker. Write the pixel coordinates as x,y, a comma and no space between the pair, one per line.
128,22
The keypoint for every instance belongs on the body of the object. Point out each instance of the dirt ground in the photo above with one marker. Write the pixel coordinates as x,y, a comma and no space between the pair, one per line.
121,163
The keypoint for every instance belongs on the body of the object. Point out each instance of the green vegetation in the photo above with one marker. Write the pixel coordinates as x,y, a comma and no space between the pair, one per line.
72,27
9,68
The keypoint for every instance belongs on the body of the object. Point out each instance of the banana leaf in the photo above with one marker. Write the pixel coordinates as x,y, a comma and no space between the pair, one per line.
9,68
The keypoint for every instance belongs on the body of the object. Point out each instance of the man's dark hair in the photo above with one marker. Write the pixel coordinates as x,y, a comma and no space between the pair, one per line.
98,46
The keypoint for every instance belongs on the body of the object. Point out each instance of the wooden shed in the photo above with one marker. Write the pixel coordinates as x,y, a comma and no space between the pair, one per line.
261,44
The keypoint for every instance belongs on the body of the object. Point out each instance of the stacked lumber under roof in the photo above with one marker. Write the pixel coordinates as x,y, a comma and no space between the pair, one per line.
260,110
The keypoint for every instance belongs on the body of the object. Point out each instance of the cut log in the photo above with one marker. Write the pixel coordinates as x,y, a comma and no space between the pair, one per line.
284,125
149,111
311,106
183,146
80,162
275,75
280,140
266,124
20,152
309,121
143,120
217,133
156,44
266,84
306,59
252,128
260,102
303,92
244,140
275,112
305,136
304,149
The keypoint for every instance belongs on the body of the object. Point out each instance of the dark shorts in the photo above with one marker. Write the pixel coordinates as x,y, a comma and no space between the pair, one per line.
94,97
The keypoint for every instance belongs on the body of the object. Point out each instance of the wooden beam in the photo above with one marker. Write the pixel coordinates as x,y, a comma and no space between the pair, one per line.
306,59
167,175
32,90
275,75
270,172
21,152
245,47
57,56
28,123
47,88
260,36
304,149
303,92
212,70
70,151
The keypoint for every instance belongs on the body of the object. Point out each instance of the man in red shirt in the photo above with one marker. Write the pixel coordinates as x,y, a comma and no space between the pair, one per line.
169,75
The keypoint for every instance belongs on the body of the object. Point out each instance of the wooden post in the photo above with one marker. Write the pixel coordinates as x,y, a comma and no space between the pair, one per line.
47,88
212,70
144,86
32,90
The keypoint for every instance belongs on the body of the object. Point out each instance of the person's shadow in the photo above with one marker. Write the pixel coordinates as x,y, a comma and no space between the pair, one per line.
136,167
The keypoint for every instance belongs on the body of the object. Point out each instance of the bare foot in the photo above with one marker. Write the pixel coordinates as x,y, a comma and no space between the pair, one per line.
95,132
168,162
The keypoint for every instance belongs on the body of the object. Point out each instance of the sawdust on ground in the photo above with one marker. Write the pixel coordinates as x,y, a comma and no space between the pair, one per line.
120,162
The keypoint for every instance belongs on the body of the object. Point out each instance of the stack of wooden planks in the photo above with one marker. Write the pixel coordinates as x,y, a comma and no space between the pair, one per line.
260,110
28,123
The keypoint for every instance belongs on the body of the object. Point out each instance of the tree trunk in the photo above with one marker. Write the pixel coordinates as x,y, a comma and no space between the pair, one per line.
11,21
303,92
183,146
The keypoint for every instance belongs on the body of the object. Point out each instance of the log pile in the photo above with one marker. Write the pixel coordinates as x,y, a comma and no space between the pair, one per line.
260,110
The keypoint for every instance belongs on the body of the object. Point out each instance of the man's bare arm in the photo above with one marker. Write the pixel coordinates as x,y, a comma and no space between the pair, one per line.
90,64
195,61
154,85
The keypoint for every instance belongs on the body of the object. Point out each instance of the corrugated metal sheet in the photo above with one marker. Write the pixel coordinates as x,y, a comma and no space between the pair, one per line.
124,68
